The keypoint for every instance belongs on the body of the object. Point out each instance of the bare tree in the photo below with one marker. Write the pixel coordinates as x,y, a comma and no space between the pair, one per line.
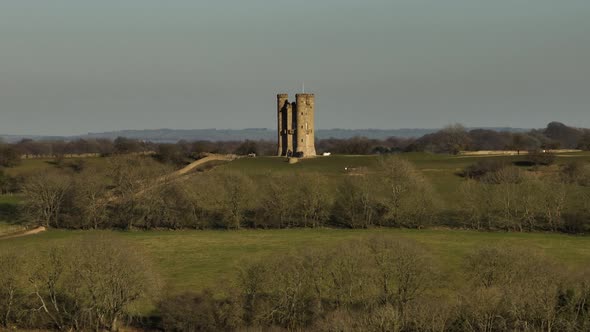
522,285
111,275
553,202
12,283
408,199
131,177
90,196
234,198
277,203
44,197
90,283
312,200
402,271
355,204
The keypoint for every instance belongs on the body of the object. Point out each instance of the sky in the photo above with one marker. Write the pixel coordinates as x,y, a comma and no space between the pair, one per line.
76,66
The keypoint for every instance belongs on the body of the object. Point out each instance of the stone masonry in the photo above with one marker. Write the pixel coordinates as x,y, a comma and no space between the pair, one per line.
296,136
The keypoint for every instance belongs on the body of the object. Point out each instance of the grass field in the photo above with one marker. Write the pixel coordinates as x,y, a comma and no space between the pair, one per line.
440,169
29,166
193,260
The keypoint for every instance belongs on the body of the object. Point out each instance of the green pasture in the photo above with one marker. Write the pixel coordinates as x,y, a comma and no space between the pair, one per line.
33,166
194,260
440,169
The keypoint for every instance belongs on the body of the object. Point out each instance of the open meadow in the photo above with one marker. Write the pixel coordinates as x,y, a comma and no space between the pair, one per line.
440,169
195,260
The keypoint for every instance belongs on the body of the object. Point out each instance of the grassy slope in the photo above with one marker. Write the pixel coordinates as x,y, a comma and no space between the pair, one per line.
193,260
29,166
441,170
8,204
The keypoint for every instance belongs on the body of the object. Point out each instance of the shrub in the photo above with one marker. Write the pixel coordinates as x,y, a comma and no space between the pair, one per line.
541,158
78,165
10,184
89,284
482,168
404,194
247,147
505,175
170,154
576,223
198,312
9,156
576,173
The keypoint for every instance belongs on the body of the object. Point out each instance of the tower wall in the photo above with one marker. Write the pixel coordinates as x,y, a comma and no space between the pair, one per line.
282,99
305,130
289,132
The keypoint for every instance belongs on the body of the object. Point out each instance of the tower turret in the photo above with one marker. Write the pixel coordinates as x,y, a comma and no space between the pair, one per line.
305,131
295,125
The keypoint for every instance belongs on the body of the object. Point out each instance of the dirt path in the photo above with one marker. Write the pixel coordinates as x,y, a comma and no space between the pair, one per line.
176,175
33,231
170,177
202,161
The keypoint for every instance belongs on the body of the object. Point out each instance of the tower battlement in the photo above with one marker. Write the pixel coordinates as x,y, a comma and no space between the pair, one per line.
296,125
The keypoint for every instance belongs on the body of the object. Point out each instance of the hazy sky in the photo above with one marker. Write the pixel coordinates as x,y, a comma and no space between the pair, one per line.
77,66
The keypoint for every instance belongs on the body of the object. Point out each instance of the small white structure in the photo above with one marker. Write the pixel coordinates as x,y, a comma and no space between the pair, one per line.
326,154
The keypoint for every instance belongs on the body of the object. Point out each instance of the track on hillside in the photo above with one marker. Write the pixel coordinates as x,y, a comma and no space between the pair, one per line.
33,231
161,181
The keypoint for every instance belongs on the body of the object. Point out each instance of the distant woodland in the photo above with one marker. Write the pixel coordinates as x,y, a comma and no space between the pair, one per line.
452,139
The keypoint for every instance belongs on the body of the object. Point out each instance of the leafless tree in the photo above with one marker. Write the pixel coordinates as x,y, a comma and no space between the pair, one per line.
277,203
312,200
355,205
44,197
407,197
12,283
403,271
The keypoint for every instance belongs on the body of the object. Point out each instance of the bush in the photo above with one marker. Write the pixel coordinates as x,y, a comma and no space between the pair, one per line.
247,148
198,312
170,154
541,158
405,196
9,156
576,173
576,223
10,184
89,284
505,175
78,165
482,168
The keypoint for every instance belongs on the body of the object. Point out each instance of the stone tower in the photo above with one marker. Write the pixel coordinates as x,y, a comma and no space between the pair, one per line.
296,126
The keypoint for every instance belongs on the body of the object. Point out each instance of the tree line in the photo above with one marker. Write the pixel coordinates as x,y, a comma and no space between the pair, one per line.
134,192
450,139
383,283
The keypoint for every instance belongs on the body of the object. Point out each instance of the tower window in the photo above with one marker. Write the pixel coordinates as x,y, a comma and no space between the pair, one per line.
302,140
